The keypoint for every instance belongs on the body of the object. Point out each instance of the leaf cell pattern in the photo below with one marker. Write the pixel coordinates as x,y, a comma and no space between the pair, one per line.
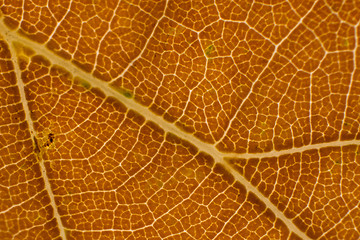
195,119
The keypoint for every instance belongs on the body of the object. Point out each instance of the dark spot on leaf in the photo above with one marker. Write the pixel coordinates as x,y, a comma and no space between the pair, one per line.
36,145
85,84
50,140
51,137
124,92
209,50
127,94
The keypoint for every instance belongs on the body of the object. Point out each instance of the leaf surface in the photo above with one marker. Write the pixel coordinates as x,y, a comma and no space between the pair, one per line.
179,119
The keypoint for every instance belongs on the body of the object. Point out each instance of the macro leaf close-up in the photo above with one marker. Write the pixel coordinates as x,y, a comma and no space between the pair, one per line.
180,119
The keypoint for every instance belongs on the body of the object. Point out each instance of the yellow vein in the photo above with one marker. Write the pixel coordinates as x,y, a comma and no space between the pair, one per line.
33,134
275,153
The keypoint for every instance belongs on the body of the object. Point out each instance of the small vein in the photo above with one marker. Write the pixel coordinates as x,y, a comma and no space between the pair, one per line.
145,46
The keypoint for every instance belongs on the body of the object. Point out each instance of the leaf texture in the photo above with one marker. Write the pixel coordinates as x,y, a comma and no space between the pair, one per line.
172,119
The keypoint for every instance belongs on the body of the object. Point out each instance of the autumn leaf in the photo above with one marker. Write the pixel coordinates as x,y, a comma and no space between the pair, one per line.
175,119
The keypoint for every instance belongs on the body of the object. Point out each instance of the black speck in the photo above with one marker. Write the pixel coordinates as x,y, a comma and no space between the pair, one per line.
51,137
50,140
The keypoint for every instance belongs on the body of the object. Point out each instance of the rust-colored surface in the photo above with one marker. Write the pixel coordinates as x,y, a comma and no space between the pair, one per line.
199,119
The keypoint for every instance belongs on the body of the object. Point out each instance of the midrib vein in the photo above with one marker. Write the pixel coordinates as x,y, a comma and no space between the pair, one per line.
210,149
7,37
